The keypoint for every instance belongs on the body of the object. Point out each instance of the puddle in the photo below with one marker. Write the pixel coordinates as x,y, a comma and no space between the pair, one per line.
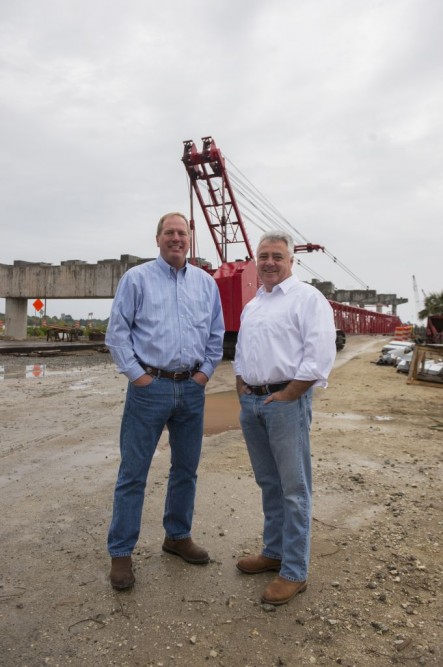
29,372
79,386
352,416
32,371
222,411
342,512
349,416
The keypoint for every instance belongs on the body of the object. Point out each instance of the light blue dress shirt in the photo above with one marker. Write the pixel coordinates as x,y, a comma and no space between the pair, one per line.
167,319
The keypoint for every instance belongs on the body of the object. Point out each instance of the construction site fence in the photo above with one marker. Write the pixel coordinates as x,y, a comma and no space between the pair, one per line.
354,320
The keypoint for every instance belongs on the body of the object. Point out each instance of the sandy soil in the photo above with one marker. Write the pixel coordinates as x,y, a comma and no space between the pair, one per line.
374,595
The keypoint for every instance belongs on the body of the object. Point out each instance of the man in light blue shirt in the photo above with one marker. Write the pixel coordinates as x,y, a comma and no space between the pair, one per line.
165,334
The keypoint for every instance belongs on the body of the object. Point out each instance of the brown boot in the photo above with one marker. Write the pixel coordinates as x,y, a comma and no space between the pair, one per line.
257,564
121,573
187,550
280,590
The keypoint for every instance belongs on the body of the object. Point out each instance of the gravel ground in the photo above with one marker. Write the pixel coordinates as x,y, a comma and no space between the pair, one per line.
374,594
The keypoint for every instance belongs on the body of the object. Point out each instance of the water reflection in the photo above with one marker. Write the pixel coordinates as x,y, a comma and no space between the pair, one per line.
35,371
29,371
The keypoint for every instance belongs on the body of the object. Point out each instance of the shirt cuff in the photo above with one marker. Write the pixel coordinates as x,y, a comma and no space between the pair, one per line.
207,369
135,372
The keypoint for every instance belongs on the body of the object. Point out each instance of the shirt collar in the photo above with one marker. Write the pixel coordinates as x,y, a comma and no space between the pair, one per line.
167,268
284,286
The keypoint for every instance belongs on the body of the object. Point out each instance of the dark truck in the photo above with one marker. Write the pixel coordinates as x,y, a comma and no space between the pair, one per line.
340,339
434,330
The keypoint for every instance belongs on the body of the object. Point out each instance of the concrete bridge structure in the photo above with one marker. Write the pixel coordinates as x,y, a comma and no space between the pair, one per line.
359,298
72,279
76,279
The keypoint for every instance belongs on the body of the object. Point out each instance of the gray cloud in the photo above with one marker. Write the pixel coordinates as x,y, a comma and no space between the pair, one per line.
332,109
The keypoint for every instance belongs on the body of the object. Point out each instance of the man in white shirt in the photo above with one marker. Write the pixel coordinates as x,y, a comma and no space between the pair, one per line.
285,347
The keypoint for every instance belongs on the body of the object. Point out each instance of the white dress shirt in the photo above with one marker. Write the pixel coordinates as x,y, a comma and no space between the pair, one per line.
286,334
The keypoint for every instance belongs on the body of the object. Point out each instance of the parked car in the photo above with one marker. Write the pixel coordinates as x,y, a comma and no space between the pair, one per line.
340,339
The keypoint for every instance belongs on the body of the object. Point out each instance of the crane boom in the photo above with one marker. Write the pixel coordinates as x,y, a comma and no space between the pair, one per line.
416,296
221,211
237,280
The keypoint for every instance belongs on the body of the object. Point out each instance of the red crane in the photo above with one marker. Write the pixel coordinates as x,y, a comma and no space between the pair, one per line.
237,280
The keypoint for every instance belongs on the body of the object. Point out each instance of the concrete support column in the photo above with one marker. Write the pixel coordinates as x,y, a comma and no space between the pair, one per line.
16,318
379,308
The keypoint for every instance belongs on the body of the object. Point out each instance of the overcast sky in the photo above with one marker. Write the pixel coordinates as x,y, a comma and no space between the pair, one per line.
332,108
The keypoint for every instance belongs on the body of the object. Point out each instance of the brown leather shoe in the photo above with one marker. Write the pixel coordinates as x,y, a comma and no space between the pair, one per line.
122,575
187,550
280,590
257,564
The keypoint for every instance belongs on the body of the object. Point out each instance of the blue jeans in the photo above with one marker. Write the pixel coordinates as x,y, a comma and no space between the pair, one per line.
277,438
179,406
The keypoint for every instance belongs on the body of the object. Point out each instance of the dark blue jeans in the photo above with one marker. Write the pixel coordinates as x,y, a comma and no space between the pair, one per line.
179,406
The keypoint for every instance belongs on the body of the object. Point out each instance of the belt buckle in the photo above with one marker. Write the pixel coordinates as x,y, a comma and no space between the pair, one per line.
181,375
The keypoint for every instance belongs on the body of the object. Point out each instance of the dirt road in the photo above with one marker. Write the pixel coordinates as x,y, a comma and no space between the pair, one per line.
374,595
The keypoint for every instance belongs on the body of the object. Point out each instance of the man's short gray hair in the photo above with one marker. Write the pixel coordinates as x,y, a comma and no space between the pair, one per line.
170,215
278,235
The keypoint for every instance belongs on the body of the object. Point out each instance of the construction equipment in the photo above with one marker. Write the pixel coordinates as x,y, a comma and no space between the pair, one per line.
238,280
434,330
416,297
57,332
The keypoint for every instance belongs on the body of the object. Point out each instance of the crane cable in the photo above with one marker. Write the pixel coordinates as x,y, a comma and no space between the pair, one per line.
245,186
251,217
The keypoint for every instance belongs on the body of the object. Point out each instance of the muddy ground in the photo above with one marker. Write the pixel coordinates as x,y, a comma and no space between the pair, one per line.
374,594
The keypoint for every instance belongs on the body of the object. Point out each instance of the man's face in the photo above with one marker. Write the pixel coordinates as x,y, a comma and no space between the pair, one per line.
174,241
274,263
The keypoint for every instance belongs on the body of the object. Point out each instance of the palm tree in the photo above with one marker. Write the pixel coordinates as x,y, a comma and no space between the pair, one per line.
433,305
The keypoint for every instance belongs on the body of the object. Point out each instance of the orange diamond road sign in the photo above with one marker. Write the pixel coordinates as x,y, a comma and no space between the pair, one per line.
38,304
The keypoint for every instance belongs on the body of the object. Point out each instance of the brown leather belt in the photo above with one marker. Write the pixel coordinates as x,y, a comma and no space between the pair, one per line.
169,375
264,389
